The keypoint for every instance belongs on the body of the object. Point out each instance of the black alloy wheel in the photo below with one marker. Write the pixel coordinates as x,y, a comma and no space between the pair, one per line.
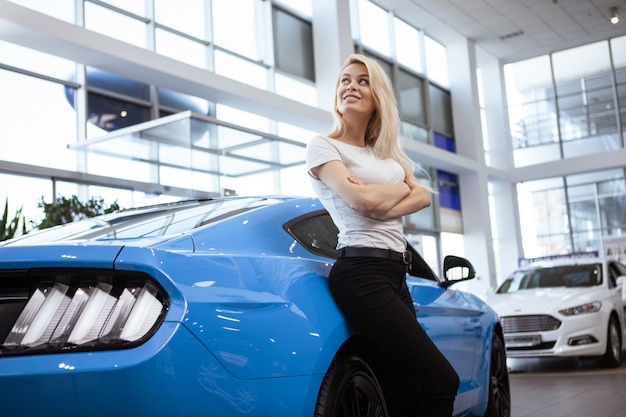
499,404
350,389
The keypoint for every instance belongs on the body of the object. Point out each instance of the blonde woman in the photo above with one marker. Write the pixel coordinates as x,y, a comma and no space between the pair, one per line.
366,182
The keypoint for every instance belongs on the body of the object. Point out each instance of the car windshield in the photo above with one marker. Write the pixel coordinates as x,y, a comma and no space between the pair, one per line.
586,275
151,221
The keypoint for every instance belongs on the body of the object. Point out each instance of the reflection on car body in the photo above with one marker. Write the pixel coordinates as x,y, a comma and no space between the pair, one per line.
216,307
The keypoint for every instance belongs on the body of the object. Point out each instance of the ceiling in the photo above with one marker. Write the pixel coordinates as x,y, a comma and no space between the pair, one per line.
512,30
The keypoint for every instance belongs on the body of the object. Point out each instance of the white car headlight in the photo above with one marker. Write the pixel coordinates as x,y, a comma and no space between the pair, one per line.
582,309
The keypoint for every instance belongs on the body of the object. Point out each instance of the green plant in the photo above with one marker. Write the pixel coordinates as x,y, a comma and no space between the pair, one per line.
65,210
8,228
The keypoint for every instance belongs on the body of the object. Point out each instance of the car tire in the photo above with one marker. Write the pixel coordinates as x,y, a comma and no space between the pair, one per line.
350,389
612,356
499,402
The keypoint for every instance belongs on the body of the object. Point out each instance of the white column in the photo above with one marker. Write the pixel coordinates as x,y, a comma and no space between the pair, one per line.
332,43
500,158
477,236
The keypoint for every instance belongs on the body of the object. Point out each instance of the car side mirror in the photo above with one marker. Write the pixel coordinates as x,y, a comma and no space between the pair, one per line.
457,269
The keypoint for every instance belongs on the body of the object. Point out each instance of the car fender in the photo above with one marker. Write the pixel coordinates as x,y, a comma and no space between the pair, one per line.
292,323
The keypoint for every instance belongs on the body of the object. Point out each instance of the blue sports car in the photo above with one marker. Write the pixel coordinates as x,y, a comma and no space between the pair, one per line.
217,307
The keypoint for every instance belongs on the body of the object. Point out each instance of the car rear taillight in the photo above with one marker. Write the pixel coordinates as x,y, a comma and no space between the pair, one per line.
45,311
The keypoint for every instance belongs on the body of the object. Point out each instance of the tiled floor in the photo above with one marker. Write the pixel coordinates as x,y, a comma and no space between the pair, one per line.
566,388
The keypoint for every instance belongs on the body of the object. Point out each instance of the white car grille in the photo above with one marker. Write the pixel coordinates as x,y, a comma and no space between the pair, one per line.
533,323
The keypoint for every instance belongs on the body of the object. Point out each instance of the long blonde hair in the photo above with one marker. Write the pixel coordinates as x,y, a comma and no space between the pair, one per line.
383,128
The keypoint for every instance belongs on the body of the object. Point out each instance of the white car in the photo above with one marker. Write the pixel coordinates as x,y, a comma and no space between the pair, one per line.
571,307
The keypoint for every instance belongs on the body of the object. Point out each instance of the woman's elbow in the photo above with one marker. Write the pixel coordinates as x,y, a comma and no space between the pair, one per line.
365,205
424,197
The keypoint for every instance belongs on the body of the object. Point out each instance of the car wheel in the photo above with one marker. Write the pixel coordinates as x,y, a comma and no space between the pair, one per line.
499,404
611,358
350,389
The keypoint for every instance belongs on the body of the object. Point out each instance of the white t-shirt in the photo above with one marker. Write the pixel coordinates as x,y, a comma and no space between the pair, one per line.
354,228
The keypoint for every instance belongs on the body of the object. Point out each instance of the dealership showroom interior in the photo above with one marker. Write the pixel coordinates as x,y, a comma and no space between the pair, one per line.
514,112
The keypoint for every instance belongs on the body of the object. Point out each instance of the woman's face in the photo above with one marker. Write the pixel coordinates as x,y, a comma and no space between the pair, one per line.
354,95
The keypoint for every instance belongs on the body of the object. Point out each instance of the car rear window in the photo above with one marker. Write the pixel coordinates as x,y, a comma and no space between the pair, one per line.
152,221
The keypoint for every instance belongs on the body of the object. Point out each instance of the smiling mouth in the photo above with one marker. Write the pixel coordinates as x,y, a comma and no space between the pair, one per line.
350,96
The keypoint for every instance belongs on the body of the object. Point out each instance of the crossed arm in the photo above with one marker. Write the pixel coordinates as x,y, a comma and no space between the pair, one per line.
378,201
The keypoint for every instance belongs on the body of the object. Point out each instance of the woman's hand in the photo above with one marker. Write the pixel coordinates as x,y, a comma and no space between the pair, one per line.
355,180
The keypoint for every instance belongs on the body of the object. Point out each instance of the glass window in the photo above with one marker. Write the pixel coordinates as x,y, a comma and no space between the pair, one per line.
417,133
407,45
110,113
436,61
595,211
39,120
295,181
188,16
263,183
115,25
240,69
295,89
127,169
423,219
410,90
61,9
584,86
374,27
242,37
441,106
428,246
618,50
181,102
582,62
293,45
583,275
532,111
242,118
117,84
543,216
612,206
597,208
304,7
137,7
25,193
385,65
583,217
180,48
124,198
318,234
35,61
297,133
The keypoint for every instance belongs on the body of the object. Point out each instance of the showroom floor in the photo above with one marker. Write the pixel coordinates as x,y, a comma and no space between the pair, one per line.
566,388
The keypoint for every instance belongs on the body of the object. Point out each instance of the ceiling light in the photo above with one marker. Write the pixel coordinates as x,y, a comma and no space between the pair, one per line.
614,16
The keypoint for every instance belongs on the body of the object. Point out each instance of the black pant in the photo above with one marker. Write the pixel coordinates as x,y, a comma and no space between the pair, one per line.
373,296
